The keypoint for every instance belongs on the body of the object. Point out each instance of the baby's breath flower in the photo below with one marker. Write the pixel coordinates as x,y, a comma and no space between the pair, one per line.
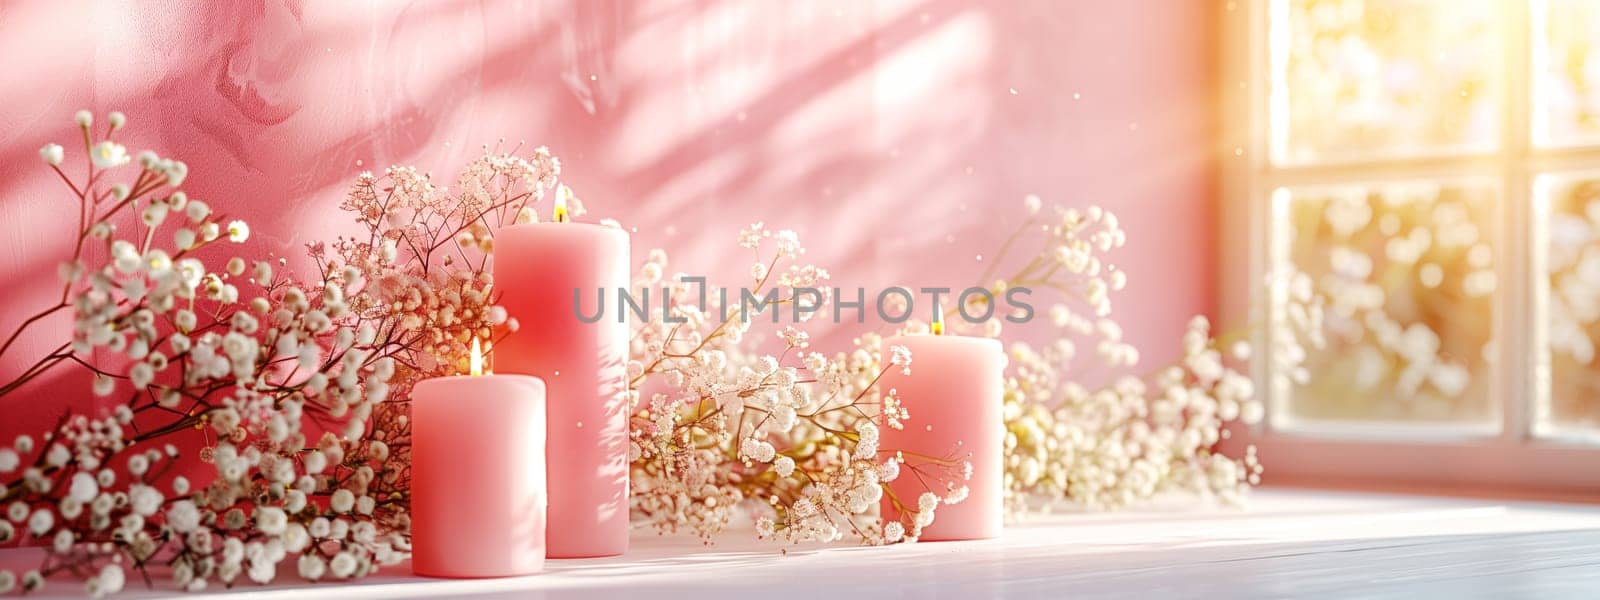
238,231
783,466
343,565
83,487
342,501
108,154
52,154
311,567
197,211
40,522
271,520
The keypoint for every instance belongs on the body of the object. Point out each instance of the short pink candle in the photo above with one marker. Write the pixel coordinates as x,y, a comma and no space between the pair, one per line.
540,272
954,396
478,476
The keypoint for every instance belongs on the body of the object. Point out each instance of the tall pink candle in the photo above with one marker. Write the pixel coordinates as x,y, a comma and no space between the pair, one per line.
478,476
539,270
954,396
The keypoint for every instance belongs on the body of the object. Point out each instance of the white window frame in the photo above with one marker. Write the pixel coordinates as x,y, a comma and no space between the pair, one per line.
1512,461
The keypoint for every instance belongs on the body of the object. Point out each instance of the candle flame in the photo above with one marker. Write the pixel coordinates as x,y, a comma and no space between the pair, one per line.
561,204
476,362
937,326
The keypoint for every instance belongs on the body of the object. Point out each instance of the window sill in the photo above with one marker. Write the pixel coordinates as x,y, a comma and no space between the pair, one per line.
1289,542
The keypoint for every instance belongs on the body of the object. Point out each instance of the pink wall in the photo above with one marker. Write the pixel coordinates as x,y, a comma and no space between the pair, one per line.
897,137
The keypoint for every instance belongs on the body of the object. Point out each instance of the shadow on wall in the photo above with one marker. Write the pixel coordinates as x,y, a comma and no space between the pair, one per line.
896,137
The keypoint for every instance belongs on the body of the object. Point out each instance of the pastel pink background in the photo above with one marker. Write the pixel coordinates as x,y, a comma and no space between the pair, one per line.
897,137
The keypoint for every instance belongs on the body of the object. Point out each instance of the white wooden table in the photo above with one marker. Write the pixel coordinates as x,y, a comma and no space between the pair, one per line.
1288,543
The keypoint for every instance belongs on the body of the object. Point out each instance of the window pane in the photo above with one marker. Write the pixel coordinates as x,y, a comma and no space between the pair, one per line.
1409,277
1366,79
1572,260
1567,60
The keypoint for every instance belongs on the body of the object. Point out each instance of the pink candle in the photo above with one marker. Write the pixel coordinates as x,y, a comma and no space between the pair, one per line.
954,396
478,476
540,271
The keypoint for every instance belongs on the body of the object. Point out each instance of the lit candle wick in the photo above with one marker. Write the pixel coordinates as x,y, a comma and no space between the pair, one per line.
476,362
561,215
937,326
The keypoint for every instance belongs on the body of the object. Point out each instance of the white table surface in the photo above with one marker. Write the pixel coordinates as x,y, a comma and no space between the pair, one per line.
1287,543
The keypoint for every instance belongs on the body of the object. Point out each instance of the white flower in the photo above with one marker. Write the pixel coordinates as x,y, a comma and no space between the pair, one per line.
526,214
84,118
893,532
197,211
1031,202
109,154
158,260
182,573
154,214
783,466
144,500
17,511
83,487
32,580
927,502
295,538
757,450
109,581
956,495
138,464
271,520
244,323
103,386
40,522
262,571
140,374
900,356
52,154
183,516
185,320
788,243
343,565
238,231
57,456
9,460
342,501
176,172
315,462
1251,413
889,470
311,566
294,500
